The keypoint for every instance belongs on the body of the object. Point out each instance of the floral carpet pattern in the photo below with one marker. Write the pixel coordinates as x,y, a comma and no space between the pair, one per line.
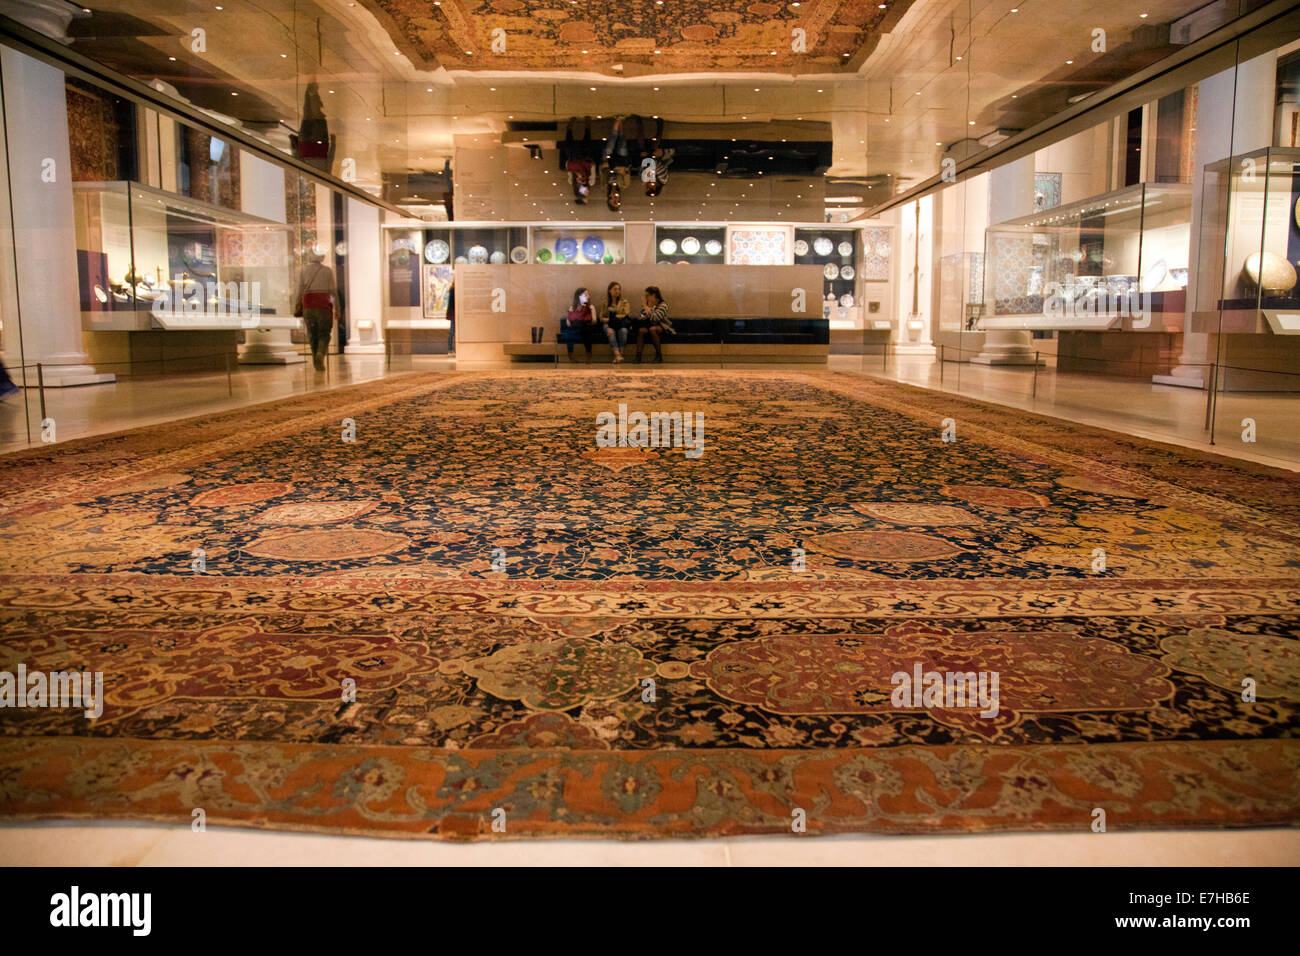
471,615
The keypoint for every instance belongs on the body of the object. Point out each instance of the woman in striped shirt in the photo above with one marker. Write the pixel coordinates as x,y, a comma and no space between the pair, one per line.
652,321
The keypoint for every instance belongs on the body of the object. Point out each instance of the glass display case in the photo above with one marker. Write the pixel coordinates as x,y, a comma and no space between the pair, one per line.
1119,260
579,244
1251,213
690,243
148,259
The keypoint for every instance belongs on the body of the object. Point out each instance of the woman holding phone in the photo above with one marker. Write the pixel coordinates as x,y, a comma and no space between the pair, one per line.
652,321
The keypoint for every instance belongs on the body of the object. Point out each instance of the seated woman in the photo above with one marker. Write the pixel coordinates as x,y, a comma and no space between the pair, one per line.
580,324
652,321
616,319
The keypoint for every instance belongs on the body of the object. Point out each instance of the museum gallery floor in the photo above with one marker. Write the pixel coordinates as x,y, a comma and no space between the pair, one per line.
563,639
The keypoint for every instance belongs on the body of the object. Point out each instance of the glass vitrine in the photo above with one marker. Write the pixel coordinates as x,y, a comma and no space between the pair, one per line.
148,259
1065,267
1252,204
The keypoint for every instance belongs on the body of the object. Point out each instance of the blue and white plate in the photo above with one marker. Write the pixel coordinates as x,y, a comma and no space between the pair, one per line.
437,251
566,247
593,247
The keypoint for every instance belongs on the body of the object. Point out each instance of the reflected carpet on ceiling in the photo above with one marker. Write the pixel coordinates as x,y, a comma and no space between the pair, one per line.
472,614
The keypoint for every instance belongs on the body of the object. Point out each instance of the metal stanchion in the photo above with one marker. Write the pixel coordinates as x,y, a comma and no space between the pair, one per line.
40,384
230,383
884,356
942,359
1034,393
1209,397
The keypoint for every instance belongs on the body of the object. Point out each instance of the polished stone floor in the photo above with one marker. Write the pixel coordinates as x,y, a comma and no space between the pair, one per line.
112,844
1160,412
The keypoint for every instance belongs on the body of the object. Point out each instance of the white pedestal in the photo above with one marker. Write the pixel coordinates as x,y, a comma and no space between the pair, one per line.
1187,376
1007,347
369,348
269,347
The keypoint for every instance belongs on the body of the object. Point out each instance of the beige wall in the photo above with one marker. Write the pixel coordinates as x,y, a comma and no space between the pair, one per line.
533,294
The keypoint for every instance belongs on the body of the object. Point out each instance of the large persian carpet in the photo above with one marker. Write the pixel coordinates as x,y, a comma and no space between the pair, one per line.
622,642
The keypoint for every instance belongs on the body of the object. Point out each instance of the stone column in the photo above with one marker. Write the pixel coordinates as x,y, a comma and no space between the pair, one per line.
365,275
42,297
1011,195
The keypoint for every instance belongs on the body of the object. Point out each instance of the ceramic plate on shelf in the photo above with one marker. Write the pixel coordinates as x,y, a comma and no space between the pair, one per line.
461,260
846,272
832,271
519,255
437,251
497,257
823,246
846,300
683,262
690,245
1155,275
593,247
667,246
478,254
714,248
566,247
800,247
846,248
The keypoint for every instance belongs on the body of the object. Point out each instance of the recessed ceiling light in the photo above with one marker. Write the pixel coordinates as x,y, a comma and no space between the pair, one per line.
1069,61
172,58
234,94
1142,16
972,122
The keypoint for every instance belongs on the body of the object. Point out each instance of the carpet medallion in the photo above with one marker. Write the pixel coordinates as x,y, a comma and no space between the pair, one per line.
473,608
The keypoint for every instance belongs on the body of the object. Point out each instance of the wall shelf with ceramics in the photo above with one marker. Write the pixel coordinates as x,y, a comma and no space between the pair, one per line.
578,244
690,243
836,252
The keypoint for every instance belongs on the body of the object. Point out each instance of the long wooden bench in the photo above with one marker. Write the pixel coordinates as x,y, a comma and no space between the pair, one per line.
702,341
